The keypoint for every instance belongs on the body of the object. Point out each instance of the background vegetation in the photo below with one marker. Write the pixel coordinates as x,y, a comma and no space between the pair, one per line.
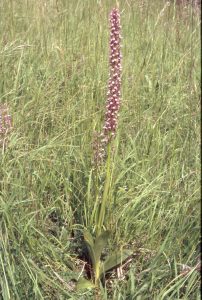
54,72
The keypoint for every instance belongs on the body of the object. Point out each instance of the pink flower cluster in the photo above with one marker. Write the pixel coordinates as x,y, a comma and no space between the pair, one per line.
114,89
114,86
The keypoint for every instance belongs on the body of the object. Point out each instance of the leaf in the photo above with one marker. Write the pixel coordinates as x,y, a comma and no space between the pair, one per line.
83,283
90,245
88,238
100,243
115,259
64,235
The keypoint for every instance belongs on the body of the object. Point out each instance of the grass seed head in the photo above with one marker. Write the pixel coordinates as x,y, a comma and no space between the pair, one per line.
5,124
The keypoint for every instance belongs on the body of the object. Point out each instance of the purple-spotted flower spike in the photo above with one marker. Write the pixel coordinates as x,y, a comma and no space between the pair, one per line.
114,89
114,85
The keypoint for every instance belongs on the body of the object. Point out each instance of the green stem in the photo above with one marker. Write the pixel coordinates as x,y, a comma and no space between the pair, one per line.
105,193
95,211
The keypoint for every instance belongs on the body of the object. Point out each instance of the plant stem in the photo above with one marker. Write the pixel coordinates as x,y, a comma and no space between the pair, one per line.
105,193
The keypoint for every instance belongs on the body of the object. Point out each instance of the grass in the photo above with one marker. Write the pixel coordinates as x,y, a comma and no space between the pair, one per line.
54,72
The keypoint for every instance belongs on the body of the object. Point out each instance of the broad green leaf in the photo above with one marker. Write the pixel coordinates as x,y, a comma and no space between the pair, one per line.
83,283
90,245
64,235
115,259
88,238
100,243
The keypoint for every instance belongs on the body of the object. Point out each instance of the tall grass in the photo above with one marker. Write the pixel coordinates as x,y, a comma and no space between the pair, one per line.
54,72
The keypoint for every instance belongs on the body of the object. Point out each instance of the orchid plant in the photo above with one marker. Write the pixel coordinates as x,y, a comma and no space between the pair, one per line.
102,156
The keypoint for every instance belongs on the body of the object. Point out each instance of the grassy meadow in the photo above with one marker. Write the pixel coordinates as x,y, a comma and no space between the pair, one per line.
54,74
